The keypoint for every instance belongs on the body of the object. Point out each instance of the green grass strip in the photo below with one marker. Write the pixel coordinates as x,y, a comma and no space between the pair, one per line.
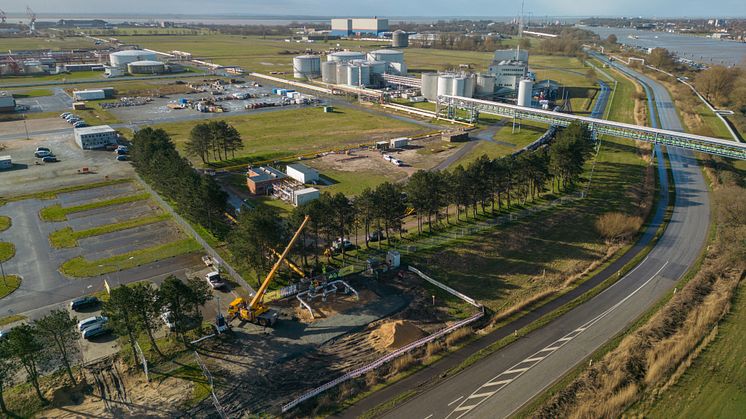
66,237
57,212
8,284
7,251
52,194
11,319
80,267
5,222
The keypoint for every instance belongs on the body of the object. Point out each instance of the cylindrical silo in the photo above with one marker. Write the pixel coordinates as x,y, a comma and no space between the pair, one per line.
485,84
329,72
469,85
306,66
120,59
364,79
146,67
387,55
377,67
400,39
445,85
430,86
345,56
525,92
342,73
458,85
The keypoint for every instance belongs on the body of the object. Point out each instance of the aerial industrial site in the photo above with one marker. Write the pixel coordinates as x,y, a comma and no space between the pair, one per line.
285,212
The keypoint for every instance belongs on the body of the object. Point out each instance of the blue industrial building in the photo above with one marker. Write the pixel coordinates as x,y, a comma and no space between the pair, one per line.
362,27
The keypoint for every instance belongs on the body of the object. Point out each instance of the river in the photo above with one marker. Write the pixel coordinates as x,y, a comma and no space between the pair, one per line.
697,48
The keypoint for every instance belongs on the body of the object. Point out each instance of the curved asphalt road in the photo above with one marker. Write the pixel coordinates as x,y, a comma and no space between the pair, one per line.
503,382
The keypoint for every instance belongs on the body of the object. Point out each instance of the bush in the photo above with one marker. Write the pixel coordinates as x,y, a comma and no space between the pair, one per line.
457,336
614,226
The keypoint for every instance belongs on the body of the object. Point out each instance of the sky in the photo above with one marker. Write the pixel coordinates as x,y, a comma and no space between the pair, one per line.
427,8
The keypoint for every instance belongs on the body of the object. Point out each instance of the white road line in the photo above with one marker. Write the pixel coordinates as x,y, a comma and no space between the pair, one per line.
460,397
429,416
497,383
562,341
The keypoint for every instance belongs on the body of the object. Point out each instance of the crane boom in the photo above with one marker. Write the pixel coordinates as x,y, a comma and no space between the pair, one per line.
260,293
2,16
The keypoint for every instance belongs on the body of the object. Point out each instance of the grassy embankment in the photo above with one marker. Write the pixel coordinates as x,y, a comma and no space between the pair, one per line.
281,134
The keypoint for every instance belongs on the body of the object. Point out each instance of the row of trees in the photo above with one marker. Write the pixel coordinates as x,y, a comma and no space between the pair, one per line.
47,343
484,182
197,197
462,42
213,140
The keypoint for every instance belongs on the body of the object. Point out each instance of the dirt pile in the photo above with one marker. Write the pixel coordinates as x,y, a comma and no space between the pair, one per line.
396,334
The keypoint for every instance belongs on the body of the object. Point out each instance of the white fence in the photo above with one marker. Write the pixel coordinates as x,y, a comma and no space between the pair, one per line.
390,357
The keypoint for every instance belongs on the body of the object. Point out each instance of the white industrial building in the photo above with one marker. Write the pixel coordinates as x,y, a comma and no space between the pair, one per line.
91,94
302,196
99,136
509,67
359,26
354,68
399,142
302,173
5,162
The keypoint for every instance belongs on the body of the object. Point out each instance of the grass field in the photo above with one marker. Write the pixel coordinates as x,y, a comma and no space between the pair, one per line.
5,222
713,386
7,251
32,93
280,134
59,213
80,267
11,319
8,284
506,141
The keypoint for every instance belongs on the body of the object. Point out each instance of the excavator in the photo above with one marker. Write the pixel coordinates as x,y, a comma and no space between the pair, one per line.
256,311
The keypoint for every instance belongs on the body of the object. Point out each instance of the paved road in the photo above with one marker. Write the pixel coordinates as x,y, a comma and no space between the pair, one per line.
504,381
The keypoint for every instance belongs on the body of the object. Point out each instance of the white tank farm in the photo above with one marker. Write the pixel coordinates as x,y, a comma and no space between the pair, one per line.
430,86
358,75
329,72
345,56
445,85
485,84
306,66
120,59
377,67
342,73
525,92
146,67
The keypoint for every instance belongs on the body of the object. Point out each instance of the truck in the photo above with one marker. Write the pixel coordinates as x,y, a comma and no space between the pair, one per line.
213,278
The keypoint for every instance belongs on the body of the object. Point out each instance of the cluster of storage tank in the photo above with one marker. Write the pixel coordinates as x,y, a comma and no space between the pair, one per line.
357,68
457,84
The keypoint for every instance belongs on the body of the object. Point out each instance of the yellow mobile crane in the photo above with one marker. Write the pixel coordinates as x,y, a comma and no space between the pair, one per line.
290,264
256,311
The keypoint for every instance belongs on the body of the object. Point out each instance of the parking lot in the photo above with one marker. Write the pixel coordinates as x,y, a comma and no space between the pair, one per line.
60,101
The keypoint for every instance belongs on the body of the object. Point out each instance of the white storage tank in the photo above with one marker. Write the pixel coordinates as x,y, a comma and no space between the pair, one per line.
358,75
485,84
458,86
146,67
329,72
430,86
122,58
387,55
342,69
306,66
399,39
525,92
377,67
345,56
445,85
469,85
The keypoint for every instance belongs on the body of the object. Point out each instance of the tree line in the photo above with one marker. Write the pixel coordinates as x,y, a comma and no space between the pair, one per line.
379,212
213,140
52,341
197,197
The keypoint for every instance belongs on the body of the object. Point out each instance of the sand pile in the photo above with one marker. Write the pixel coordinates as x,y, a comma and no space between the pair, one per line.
395,334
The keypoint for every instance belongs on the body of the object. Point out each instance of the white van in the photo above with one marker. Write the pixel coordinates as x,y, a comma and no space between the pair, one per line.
91,321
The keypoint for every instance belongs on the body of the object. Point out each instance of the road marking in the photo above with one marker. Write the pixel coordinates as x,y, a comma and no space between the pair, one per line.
428,416
460,397
497,383
536,358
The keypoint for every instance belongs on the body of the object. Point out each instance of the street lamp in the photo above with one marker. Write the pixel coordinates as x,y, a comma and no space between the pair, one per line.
116,265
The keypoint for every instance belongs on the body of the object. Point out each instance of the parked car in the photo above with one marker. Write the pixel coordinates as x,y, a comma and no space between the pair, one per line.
91,321
83,302
376,235
214,279
49,159
340,243
121,158
71,116
97,330
80,124
73,120
121,152
123,147
65,114
42,153
38,149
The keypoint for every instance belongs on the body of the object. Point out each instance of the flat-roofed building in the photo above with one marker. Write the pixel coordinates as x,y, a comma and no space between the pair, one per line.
260,180
99,136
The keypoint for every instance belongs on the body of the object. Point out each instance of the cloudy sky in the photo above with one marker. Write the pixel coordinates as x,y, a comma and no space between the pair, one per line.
652,8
